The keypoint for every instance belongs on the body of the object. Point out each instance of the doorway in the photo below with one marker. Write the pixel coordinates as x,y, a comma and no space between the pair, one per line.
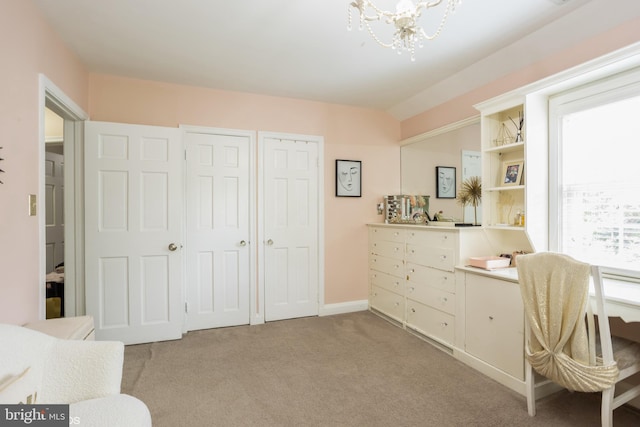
52,98
54,213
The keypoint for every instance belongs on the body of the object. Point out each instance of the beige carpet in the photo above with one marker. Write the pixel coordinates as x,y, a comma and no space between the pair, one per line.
345,370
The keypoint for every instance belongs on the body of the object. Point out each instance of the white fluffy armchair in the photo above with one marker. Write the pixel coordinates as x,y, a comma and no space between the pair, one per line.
38,368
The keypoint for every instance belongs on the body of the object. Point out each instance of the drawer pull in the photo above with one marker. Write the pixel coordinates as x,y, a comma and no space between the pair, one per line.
397,304
412,289
443,257
490,317
444,299
444,324
396,284
413,310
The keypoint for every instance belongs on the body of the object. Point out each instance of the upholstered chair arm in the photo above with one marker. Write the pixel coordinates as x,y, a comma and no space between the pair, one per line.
80,370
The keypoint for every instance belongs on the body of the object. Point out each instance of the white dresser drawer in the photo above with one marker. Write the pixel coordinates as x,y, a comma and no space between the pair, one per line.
386,281
386,233
441,258
388,249
430,322
441,300
387,302
392,266
433,238
443,280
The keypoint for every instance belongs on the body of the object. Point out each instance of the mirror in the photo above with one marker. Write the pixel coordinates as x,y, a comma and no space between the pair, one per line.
419,157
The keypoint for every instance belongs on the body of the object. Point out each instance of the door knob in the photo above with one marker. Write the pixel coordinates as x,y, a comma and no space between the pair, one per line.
269,242
243,243
173,247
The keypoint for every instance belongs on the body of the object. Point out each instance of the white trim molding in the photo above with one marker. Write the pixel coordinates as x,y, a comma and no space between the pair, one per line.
344,307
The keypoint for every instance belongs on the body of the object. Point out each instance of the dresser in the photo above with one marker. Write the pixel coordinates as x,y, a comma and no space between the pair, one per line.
412,275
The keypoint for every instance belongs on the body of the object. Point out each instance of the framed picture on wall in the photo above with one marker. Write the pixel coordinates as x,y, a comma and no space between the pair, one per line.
445,182
348,178
512,172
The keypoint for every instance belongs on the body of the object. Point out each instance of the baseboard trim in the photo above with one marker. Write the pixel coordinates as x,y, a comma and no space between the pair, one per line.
344,307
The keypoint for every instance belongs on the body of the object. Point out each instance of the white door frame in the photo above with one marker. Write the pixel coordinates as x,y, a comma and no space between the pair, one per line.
259,315
55,99
253,241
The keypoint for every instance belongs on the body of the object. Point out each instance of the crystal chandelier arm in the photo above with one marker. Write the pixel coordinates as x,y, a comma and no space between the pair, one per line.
427,4
362,5
374,37
449,8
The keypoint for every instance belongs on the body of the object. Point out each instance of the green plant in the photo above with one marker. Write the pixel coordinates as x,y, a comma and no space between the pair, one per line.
471,194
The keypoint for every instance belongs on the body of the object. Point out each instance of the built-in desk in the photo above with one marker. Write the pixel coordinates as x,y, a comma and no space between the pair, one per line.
490,320
622,298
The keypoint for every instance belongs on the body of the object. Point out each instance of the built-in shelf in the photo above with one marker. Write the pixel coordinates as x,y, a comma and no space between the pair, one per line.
510,188
507,148
505,227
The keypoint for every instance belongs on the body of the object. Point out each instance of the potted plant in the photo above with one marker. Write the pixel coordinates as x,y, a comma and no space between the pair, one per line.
471,194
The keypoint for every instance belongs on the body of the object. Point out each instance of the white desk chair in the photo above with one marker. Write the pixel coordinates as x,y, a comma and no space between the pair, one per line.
562,342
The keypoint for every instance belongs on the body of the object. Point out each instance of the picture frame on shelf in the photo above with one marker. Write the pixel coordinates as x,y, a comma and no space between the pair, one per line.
348,178
512,172
445,182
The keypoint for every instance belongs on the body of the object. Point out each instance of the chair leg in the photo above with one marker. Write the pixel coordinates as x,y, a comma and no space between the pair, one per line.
606,409
530,385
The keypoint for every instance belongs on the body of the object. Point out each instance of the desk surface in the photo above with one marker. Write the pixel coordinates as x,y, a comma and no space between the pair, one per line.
622,298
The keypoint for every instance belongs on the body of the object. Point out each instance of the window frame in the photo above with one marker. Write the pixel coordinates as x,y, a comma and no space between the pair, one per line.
599,92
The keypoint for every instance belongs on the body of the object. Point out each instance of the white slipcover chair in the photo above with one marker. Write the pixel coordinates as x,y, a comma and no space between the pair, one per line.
36,368
562,342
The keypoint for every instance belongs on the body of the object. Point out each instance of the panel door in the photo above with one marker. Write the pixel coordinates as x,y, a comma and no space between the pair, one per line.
291,228
134,214
54,199
218,229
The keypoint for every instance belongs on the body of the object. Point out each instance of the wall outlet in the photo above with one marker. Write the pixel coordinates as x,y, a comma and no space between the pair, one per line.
33,207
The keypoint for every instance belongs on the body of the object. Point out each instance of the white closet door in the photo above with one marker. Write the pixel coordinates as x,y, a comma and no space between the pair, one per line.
218,228
134,214
291,227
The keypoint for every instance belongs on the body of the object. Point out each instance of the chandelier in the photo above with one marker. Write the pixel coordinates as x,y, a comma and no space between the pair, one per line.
408,33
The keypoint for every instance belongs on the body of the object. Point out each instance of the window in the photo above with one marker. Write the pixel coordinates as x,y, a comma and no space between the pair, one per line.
595,173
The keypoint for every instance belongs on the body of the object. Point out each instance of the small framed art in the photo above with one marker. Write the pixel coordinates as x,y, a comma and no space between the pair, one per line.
348,178
445,182
512,172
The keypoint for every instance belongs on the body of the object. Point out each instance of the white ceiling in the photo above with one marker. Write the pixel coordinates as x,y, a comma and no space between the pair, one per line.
302,49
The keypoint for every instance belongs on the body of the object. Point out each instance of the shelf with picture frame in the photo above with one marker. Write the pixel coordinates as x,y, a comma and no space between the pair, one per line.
504,167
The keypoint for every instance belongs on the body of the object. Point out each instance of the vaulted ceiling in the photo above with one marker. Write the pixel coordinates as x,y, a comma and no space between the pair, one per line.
302,49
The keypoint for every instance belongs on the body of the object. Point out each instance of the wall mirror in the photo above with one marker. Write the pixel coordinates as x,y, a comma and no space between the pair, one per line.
420,155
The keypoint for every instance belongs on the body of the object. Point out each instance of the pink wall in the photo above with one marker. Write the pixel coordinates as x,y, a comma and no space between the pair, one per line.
28,47
349,133
461,107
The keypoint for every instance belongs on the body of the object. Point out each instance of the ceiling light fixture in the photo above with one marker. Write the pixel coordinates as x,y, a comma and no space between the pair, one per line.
408,33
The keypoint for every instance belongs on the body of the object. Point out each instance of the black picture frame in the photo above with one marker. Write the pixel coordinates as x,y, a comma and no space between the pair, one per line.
445,182
348,178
